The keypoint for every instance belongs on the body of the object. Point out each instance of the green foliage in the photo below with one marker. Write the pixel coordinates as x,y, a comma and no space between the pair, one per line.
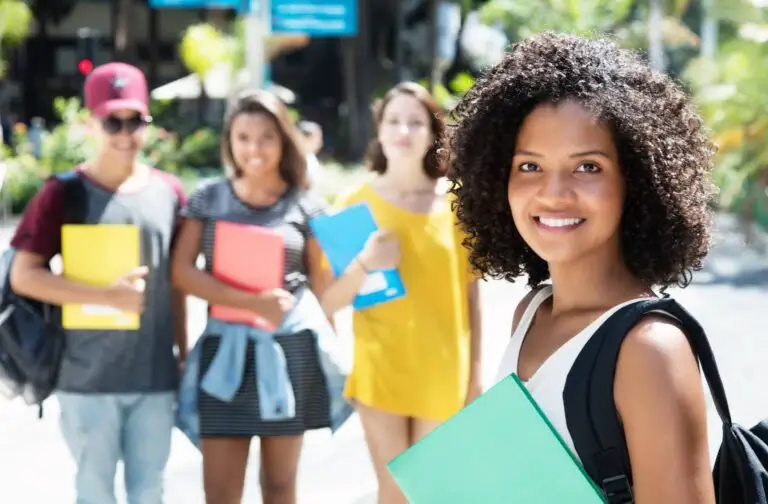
523,18
170,152
203,47
15,22
448,96
72,142
65,147
731,95
625,20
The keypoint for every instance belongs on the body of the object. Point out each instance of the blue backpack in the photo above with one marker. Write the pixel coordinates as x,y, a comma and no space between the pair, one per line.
32,340
741,468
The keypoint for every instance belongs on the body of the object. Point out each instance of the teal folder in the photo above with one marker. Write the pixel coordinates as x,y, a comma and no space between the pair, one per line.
500,449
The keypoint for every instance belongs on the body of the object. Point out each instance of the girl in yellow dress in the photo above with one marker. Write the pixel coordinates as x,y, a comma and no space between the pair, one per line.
416,358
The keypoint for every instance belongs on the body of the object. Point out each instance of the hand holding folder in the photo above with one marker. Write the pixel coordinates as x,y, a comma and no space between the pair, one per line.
127,294
500,449
381,251
250,258
342,236
103,255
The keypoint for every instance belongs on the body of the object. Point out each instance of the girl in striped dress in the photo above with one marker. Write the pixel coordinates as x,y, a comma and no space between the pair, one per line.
283,382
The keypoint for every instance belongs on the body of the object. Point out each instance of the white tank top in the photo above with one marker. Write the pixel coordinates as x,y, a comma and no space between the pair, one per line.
547,384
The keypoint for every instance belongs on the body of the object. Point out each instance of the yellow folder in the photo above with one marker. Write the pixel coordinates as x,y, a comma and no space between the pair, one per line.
99,255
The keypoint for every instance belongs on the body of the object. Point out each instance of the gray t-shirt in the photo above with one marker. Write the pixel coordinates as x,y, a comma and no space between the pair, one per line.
216,200
110,361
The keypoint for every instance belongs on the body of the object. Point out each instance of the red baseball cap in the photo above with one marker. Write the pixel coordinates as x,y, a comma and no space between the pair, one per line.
116,86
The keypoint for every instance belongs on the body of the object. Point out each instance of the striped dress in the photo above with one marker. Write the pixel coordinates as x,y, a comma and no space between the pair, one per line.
217,200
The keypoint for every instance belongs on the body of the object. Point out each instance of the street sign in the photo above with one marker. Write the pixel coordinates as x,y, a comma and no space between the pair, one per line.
316,18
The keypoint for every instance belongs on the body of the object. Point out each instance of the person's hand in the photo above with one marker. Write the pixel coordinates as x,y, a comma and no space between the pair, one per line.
127,294
381,251
272,305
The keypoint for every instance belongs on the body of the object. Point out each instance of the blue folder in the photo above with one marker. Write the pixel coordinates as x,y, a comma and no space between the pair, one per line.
342,235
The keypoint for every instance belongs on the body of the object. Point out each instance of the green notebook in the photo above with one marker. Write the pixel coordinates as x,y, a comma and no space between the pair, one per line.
501,449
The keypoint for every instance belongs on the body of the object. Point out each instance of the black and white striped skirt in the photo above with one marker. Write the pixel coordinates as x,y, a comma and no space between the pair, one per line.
241,416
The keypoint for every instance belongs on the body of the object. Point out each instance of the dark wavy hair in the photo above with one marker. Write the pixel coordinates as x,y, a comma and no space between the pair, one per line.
664,154
293,164
433,166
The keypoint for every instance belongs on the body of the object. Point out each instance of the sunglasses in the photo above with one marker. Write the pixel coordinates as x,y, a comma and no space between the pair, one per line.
113,125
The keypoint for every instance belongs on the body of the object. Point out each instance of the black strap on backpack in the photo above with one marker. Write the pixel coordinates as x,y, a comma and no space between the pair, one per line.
75,207
32,340
740,471
75,197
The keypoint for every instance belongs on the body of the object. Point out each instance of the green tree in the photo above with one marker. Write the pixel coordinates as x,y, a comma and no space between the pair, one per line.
730,90
204,47
523,18
15,20
652,25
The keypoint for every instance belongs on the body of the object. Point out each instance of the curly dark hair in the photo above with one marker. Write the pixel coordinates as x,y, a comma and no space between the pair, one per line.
374,154
663,149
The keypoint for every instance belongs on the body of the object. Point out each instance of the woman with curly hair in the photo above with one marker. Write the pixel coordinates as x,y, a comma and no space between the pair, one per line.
416,358
574,162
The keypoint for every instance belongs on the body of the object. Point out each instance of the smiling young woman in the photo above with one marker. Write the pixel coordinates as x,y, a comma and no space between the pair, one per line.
416,358
574,162
283,388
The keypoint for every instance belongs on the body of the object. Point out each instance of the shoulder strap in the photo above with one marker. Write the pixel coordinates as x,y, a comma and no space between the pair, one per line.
75,197
590,409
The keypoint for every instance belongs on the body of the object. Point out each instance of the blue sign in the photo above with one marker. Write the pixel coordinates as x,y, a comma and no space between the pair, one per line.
316,18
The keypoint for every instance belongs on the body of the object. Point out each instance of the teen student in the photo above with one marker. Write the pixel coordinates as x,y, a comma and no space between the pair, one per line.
116,388
578,166
416,358
273,385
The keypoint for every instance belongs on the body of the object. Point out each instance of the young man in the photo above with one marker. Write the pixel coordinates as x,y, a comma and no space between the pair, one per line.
116,389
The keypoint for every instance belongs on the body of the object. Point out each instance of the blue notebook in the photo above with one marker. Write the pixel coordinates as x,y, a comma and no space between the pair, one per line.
342,235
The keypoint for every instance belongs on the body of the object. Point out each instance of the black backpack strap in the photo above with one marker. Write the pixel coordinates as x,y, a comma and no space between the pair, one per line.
591,414
75,197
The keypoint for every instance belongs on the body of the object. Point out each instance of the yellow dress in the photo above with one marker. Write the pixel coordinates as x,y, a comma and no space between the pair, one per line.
411,355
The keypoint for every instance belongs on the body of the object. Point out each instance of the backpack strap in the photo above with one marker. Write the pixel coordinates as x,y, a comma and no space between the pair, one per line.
591,414
75,203
75,196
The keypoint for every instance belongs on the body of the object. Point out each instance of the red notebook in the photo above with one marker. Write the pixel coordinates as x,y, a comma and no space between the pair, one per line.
250,258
